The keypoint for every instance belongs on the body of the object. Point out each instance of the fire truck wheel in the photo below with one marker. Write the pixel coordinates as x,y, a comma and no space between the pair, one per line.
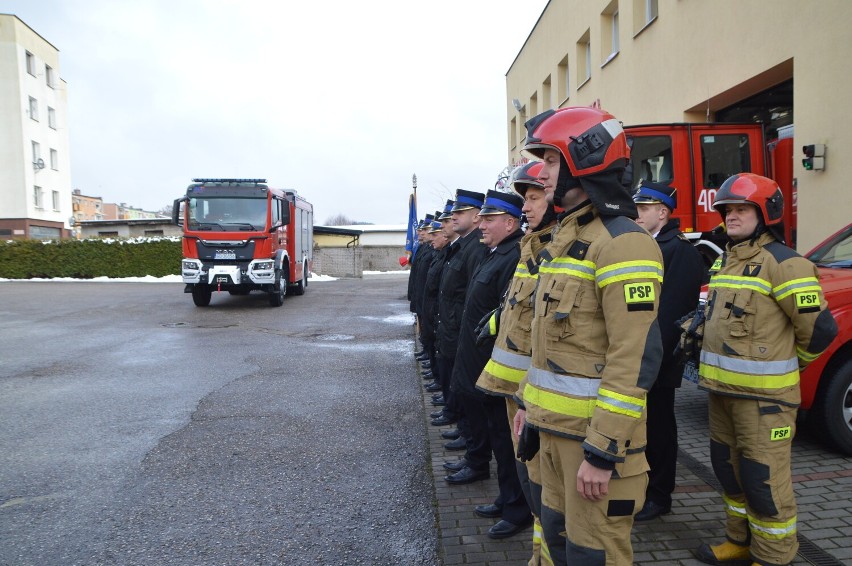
299,289
276,298
201,295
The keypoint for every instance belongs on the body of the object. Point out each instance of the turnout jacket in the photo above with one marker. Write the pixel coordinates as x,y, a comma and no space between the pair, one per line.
596,346
683,272
766,318
462,257
510,358
484,291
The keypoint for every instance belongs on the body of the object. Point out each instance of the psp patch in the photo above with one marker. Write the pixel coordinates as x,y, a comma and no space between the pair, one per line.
782,433
807,302
639,296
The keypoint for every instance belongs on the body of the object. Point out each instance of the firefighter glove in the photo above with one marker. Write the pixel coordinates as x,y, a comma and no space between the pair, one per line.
692,336
528,443
487,328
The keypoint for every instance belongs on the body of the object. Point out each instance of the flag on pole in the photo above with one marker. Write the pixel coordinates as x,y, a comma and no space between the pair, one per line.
411,231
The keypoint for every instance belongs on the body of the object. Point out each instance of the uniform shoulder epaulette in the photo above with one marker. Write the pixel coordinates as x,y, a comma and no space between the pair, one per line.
618,225
780,252
682,236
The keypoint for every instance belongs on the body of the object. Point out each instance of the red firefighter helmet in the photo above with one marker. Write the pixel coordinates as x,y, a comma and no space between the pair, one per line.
752,189
590,139
526,176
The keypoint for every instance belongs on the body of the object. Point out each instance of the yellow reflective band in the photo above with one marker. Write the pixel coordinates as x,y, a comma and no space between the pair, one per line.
771,530
639,293
537,534
521,272
762,286
571,267
804,285
555,403
806,356
505,373
492,325
619,403
781,433
712,373
629,270
734,508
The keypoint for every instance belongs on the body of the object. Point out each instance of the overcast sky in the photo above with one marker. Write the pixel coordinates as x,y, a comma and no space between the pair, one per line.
342,100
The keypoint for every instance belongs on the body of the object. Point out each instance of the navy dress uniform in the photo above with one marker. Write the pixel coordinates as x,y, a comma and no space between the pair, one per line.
683,272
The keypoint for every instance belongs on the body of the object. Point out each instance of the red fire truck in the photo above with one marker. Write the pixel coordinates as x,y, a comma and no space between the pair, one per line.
239,235
697,158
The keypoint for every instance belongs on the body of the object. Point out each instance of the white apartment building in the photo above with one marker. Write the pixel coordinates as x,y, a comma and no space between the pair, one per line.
35,177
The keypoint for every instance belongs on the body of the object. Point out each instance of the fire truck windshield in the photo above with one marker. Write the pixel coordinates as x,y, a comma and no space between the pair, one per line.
227,213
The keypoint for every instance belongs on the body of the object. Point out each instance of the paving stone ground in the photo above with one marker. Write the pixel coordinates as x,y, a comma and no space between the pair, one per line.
822,481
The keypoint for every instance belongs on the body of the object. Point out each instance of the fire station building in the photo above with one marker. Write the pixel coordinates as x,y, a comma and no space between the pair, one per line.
783,63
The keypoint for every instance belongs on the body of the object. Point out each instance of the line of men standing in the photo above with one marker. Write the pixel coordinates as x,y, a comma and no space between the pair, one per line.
556,346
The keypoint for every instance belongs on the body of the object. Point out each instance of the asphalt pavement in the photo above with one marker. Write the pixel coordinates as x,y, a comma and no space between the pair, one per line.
136,428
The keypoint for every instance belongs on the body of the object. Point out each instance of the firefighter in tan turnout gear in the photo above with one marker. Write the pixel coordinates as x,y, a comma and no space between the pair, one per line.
510,357
596,346
765,320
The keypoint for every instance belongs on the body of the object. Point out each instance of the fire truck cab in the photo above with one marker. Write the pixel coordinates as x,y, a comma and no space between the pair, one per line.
240,235
697,158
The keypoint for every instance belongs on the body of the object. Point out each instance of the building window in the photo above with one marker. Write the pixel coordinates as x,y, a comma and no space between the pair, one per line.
563,88
534,104
584,59
54,160
38,197
44,233
51,117
153,232
36,153
644,13
50,76
30,63
609,33
56,201
34,109
108,234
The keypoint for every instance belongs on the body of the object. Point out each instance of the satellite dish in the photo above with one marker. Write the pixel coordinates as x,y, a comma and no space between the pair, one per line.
38,163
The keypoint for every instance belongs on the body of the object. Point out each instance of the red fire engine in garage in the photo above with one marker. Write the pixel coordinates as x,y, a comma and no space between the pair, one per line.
240,235
697,158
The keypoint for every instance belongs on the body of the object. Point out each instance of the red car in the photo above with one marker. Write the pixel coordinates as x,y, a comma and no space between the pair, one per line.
826,384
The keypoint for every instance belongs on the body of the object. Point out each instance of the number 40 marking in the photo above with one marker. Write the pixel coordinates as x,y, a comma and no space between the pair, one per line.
705,199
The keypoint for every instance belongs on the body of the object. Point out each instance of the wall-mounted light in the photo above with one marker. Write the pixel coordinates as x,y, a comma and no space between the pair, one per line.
517,104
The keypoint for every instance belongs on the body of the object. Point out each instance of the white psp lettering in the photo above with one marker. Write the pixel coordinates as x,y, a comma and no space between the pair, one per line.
706,198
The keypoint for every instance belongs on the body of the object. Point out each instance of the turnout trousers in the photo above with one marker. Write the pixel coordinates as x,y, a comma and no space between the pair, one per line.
530,477
579,531
750,444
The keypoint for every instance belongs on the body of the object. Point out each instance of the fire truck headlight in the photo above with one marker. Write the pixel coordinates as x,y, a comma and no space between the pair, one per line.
264,266
190,265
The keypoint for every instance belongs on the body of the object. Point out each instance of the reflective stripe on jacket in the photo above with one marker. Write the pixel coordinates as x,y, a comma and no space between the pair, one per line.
596,340
766,318
510,358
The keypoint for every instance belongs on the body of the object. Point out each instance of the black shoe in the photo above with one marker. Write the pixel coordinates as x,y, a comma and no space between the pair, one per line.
437,396
505,529
651,510
467,475
441,421
455,466
433,387
427,375
450,434
437,414
420,353
459,443
422,358
488,511
438,402
425,365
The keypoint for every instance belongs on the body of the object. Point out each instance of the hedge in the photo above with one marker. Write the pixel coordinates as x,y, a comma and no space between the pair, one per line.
85,259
